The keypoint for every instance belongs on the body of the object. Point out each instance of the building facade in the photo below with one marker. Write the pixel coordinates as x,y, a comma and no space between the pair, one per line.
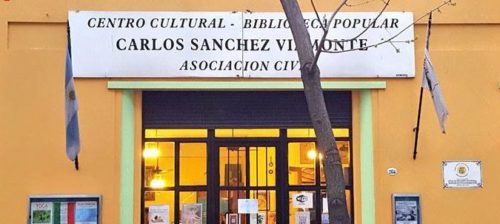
209,141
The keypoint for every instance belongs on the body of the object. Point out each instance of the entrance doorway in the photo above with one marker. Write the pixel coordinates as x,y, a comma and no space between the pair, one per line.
205,153
247,171
210,172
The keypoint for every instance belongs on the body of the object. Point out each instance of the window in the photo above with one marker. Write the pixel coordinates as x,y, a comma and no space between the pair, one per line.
175,171
247,133
203,172
159,166
193,164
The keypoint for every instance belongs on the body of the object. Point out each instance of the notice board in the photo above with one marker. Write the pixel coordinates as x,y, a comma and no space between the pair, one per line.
64,209
406,208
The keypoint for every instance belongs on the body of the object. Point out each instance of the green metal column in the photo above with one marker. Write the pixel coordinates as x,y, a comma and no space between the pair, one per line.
127,159
367,169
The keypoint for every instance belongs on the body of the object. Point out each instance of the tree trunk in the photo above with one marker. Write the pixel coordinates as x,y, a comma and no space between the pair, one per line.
326,145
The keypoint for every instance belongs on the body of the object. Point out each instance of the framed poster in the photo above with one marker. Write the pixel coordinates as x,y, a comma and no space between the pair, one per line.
159,214
462,174
232,175
303,217
406,209
60,209
232,218
192,213
258,218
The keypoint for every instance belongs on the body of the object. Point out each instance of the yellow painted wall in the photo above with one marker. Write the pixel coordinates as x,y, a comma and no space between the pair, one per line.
464,50
32,147
465,57
32,126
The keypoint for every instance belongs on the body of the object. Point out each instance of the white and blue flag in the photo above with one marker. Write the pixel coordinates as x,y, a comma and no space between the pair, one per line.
430,82
72,130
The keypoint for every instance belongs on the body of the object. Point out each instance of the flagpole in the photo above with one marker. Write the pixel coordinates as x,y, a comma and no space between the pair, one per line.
417,129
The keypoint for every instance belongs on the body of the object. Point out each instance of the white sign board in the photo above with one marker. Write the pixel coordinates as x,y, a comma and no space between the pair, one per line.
247,206
462,174
235,44
159,214
302,200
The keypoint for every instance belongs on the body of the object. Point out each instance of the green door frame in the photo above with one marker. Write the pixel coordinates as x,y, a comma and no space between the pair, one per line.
128,129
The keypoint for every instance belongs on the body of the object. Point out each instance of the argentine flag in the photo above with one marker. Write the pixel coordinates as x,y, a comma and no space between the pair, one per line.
72,132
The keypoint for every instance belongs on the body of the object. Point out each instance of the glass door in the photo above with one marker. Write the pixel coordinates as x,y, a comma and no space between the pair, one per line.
247,171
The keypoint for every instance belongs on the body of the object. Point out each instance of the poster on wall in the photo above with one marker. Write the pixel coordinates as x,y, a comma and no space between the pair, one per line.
192,213
159,214
302,200
86,212
406,209
303,218
258,218
462,174
41,212
248,206
64,209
